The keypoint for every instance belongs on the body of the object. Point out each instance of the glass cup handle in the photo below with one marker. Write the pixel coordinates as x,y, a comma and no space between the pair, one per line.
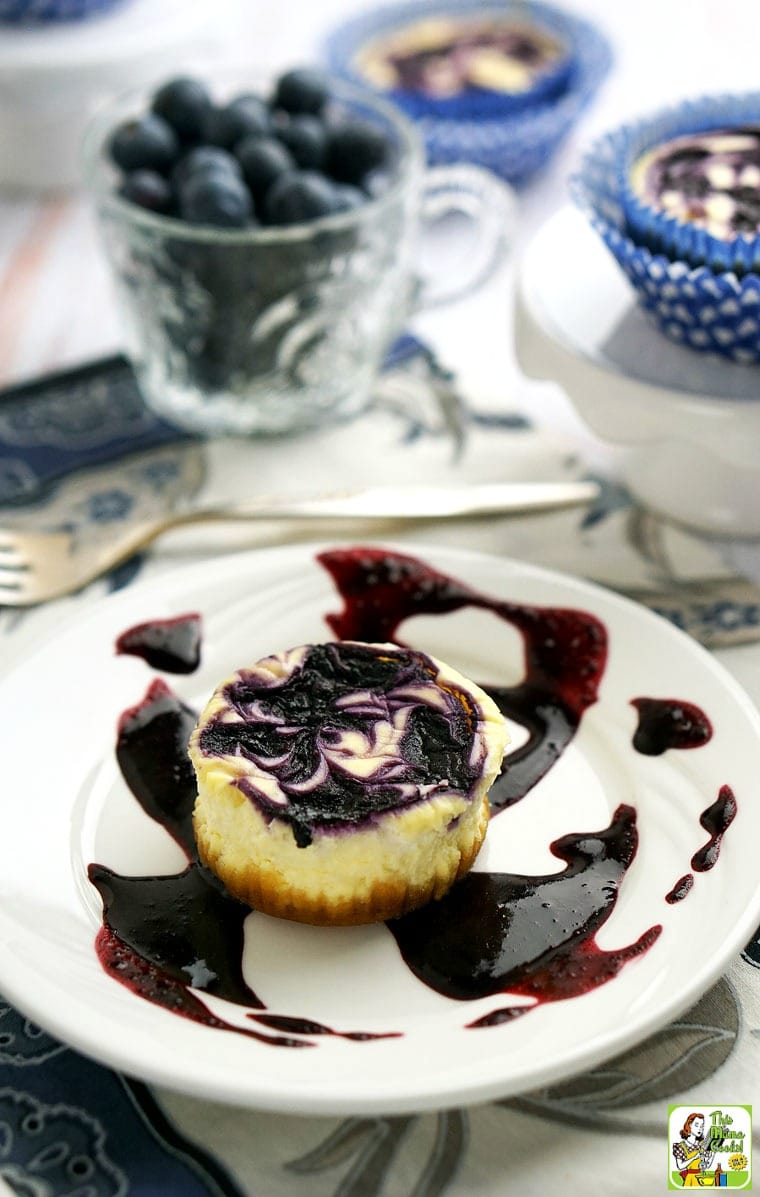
488,206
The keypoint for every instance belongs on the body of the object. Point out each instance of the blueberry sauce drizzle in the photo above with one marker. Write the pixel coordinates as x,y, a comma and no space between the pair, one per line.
155,984
169,938
184,924
672,723
716,820
669,723
495,1018
171,645
574,970
682,887
306,1026
151,750
565,650
530,935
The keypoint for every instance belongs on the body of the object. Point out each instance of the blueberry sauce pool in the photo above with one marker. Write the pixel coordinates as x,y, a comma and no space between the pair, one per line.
170,645
172,939
565,650
527,934
669,723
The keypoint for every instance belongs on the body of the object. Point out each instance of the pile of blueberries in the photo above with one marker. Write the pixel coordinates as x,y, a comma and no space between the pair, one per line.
248,162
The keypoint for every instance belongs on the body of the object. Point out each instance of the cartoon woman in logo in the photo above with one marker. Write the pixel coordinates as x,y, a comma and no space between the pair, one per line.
692,1155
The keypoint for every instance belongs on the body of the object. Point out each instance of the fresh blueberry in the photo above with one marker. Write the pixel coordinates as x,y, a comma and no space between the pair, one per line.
255,111
147,189
145,143
279,118
298,196
354,149
263,159
185,105
346,197
306,138
301,91
243,117
221,200
207,160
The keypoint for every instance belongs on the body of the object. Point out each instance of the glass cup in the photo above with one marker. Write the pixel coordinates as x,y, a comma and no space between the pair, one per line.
278,329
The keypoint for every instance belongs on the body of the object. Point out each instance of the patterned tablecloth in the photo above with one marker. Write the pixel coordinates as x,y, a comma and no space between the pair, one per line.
70,1126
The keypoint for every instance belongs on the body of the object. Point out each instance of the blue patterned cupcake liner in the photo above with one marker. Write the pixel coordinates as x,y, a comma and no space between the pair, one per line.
708,310
513,144
677,238
42,12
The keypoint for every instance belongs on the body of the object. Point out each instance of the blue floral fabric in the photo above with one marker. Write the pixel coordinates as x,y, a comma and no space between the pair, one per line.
70,1128
69,421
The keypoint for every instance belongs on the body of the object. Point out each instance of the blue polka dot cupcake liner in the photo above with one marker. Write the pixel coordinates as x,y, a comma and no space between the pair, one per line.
714,310
524,134
43,12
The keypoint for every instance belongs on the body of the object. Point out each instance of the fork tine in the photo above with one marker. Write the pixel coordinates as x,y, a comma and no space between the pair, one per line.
43,540
38,566
14,598
13,575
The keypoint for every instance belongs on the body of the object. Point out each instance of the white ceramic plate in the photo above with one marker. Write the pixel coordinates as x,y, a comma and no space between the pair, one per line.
65,804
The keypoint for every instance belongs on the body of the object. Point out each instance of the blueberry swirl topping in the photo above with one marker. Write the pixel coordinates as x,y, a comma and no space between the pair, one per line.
442,57
331,736
709,179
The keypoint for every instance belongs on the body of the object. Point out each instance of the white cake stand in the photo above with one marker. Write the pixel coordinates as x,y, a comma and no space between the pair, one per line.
686,425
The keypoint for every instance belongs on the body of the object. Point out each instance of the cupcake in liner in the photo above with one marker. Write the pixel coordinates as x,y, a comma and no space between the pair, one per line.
689,240
344,783
700,291
39,12
513,136
459,60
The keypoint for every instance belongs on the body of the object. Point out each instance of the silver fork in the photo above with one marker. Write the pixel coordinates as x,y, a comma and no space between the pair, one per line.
37,566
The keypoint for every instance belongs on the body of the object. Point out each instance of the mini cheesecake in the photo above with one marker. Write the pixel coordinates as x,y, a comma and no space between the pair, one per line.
442,57
710,179
344,783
